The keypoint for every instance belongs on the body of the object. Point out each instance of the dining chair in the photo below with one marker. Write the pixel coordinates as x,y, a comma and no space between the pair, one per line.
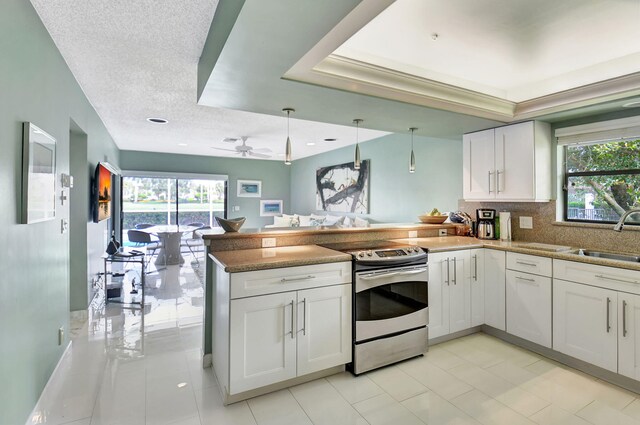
140,238
143,225
193,243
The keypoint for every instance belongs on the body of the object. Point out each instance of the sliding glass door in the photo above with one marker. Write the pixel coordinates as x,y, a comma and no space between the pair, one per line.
169,201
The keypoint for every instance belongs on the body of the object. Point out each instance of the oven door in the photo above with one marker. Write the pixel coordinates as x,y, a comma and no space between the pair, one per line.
390,301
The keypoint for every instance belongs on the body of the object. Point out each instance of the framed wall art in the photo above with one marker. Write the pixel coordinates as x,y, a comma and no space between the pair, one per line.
249,188
38,175
270,208
342,188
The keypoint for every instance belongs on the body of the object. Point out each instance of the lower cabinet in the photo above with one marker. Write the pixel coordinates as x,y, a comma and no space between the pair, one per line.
494,288
629,335
280,336
449,293
529,307
585,323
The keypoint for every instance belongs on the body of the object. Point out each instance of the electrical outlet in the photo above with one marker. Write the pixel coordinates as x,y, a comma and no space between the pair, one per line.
526,222
442,232
413,233
61,335
268,242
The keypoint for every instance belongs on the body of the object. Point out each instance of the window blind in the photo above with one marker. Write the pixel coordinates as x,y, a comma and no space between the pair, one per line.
620,129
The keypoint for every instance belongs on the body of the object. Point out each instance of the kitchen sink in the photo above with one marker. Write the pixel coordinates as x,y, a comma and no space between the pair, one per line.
609,255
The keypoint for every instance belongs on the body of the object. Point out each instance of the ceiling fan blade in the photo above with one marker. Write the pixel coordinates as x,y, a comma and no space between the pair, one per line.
265,150
230,139
223,149
259,155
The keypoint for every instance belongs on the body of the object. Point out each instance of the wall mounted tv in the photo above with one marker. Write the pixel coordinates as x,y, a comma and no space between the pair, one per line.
103,192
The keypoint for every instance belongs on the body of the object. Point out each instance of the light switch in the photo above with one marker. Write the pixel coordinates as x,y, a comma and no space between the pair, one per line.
526,222
64,225
236,208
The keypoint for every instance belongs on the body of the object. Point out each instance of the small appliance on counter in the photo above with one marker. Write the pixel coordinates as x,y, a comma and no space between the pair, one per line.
505,226
486,228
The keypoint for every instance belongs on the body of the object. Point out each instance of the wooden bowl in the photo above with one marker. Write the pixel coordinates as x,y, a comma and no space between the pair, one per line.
433,219
231,225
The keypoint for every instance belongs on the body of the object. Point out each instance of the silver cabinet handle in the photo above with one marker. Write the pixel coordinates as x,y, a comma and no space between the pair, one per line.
608,308
447,272
294,279
617,279
526,279
292,319
490,181
524,263
455,271
304,316
624,318
498,181
475,267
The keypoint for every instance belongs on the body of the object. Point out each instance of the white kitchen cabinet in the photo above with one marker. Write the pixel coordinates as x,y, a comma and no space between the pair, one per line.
324,328
509,163
262,342
494,288
629,335
449,293
585,323
477,286
303,326
529,307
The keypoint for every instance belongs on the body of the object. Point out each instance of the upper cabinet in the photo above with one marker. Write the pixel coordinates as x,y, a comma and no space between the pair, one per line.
510,163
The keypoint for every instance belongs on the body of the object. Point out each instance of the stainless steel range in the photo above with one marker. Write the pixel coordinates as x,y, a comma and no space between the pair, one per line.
390,303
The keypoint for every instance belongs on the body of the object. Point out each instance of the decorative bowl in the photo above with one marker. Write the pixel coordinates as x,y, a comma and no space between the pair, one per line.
232,224
433,219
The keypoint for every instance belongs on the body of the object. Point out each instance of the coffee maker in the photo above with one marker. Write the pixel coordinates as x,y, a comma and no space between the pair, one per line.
486,228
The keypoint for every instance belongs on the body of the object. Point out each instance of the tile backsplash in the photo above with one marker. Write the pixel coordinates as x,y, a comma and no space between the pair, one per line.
546,231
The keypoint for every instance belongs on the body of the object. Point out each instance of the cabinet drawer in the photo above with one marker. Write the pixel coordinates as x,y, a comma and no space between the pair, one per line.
602,276
529,264
248,284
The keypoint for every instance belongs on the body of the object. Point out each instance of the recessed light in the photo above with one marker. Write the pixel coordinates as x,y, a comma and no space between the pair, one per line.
311,143
157,120
183,144
182,384
634,104
330,140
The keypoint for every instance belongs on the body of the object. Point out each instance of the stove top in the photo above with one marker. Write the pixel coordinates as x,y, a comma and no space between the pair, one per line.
381,253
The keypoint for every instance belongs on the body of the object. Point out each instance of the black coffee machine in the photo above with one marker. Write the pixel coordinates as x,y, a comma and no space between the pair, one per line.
486,227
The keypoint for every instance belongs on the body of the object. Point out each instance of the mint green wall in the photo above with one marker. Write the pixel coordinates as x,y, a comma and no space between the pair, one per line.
395,195
35,85
274,176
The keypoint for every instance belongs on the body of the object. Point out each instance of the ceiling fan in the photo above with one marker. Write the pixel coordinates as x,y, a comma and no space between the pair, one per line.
244,149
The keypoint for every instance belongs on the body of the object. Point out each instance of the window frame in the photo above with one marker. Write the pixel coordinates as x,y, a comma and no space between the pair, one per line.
565,186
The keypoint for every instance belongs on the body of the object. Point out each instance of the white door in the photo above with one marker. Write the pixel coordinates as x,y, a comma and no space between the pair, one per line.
478,165
514,146
629,335
262,347
439,276
459,291
494,288
324,328
529,307
585,323
477,286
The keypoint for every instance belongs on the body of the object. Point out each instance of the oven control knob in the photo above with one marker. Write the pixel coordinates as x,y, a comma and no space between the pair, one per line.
369,253
361,254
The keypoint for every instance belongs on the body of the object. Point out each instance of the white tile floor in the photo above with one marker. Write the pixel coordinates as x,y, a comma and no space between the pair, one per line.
120,371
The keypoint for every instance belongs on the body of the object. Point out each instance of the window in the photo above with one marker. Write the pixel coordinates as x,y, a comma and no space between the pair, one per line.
602,181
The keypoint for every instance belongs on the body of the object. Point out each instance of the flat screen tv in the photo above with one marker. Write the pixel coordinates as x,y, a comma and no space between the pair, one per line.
103,194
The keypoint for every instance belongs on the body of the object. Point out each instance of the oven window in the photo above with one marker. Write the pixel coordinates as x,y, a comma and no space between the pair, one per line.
389,301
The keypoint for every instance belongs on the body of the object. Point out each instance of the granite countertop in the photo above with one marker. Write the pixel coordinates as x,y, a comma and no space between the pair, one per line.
246,260
452,243
218,233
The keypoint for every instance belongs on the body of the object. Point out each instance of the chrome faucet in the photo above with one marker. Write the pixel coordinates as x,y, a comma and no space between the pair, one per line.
620,224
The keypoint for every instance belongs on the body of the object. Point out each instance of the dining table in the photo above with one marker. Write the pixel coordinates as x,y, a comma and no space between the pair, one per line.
170,237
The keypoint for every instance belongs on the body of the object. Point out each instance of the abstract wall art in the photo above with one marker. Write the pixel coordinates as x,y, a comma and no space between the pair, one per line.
342,188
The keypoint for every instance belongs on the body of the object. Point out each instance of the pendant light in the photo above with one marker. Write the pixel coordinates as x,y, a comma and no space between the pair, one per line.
287,152
412,160
356,160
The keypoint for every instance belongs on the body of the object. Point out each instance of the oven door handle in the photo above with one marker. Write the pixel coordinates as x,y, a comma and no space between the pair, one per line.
377,276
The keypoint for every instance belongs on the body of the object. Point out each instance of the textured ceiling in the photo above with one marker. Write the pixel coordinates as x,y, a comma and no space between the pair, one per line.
138,59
